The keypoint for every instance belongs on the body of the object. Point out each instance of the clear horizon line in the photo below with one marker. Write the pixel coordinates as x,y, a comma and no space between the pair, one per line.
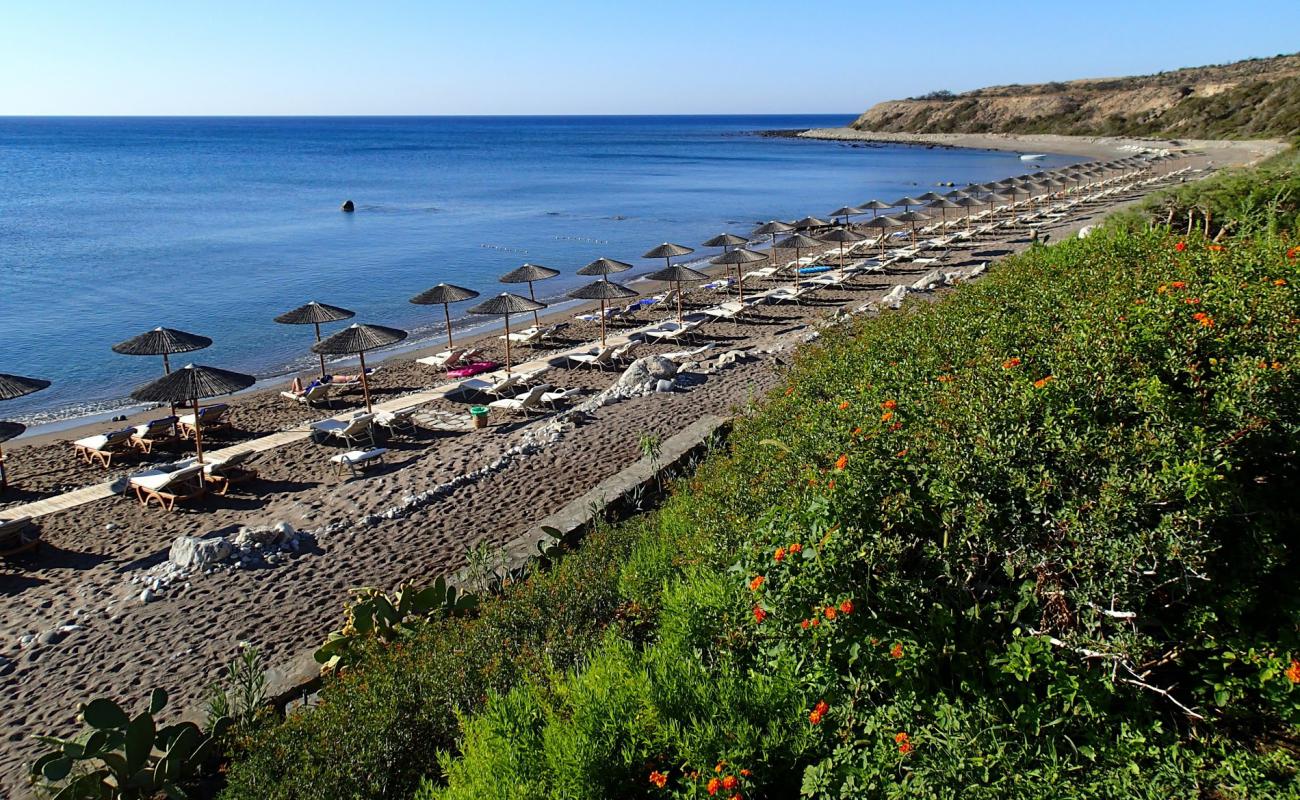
427,116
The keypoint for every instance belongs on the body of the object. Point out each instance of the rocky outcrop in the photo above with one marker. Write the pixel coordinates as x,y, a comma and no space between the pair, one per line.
1257,97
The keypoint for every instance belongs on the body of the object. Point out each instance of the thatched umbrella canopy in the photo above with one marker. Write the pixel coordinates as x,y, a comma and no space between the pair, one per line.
772,228
314,314
913,217
943,204
444,294
874,206
908,202
605,267
739,257
12,386
162,342
883,223
725,240
809,223
190,384
843,236
967,203
503,305
356,339
676,274
603,290
798,242
930,197
846,212
527,274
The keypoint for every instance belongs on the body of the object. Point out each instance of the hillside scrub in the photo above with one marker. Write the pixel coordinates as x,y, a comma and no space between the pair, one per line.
1034,540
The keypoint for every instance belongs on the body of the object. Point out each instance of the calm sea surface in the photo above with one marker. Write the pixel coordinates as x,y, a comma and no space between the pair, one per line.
113,226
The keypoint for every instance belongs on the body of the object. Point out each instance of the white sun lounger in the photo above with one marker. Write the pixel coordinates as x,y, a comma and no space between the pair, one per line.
351,431
599,358
525,403
103,447
494,386
167,488
358,460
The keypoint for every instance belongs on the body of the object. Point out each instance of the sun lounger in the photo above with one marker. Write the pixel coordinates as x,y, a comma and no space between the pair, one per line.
624,352
222,473
397,422
354,430
103,447
530,337
785,295
489,386
316,392
358,460
449,358
731,310
471,369
720,285
594,316
762,274
213,418
144,437
600,358
672,331
167,488
558,396
18,536
343,381
525,403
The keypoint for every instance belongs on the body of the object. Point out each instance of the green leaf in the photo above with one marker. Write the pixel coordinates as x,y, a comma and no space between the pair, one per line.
103,714
157,700
55,767
139,741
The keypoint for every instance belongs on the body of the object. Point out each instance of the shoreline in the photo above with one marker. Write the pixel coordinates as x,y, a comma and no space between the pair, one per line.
1247,150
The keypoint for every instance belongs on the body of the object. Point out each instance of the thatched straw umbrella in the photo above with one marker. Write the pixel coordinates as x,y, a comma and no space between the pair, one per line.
676,274
314,314
503,305
967,202
162,342
444,294
809,223
739,257
843,236
913,217
798,242
603,290
604,267
12,386
772,228
908,202
846,212
190,384
527,274
874,206
943,204
357,339
725,240
883,223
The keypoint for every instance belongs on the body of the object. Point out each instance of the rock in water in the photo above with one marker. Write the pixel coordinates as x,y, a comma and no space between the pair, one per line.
348,206
648,369
191,551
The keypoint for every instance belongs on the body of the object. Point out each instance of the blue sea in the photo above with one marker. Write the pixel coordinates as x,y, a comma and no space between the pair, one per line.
112,226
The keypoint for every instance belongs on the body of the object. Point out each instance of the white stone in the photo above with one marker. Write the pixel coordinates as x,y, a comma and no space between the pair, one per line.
191,551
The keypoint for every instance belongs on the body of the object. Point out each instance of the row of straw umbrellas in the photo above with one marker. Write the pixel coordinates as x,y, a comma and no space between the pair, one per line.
192,383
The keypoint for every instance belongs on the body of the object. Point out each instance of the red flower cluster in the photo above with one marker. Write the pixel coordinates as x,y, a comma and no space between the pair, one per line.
889,405
904,742
1280,282
760,614
896,651
1216,248
1011,363
659,779
1293,671
946,378
757,582
846,607
844,405
779,555
829,612
1041,382
1205,319
842,461
795,548
1181,246
818,712
1292,253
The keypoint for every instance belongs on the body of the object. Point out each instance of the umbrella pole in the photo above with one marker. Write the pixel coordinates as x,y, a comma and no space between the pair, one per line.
446,312
507,343
4,474
365,385
841,259
602,322
533,297
740,285
167,370
198,441
680,318
321,356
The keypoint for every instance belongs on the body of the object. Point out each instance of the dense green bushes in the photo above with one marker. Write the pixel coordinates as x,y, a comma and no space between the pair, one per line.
1043,538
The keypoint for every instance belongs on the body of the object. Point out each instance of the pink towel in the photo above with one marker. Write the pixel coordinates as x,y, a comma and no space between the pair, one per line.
471,370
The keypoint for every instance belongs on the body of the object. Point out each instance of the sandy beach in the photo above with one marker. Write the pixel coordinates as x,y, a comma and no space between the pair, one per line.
74,625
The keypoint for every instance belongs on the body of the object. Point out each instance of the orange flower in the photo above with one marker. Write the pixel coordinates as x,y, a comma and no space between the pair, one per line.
757,582
1161,289
759,614
829,612
1292,253
1181,246
846,607
896,426
946,379
815,621
1280,282
887,416
905,748
889,404
901,453
1178,285
830,484
821,707
719,766
779,555
1139,302
796,548
814,718
1192,301
1207,322
855,431
844,405
713,786
897,650
1041,382
1277,365
1011,363
736,796
900,737
1216,248
1293,671
804,624
730,782
659,779
745,773
842,461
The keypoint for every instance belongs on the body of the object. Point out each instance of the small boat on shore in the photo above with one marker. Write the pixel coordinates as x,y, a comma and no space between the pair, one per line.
1033,156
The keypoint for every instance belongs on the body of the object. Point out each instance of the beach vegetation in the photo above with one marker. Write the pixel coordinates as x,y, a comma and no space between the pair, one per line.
1034,539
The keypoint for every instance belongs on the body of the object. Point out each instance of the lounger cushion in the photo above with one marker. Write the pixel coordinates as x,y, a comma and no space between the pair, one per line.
92,442
356,457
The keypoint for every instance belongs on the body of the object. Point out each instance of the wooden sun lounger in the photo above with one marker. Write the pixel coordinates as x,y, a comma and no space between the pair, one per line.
167,488
103,447
144,437
18,536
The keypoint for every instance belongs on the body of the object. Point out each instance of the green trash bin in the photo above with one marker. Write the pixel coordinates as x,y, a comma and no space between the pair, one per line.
479,415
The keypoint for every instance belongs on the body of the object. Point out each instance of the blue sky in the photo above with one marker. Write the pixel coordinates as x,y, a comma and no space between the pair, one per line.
611,57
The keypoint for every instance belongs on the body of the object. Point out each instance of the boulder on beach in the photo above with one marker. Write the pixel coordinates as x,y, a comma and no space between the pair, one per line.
348,206
648,369
191,551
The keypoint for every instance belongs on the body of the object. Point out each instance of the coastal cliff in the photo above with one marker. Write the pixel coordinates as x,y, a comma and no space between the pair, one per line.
1253,98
